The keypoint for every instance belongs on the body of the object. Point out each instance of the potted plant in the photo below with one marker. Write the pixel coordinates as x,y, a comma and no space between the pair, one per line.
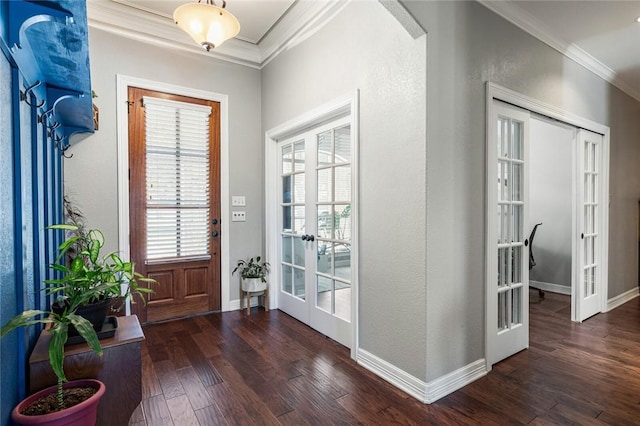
87,279
253,274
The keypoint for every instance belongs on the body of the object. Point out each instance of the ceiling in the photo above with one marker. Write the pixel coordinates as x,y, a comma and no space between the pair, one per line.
602,35
256,17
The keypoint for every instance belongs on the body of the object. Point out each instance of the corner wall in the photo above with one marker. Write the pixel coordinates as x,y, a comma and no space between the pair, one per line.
469,45
366,48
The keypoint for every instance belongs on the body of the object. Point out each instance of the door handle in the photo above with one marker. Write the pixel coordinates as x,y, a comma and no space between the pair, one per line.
526,242
214,234
306,237
214,221
582,236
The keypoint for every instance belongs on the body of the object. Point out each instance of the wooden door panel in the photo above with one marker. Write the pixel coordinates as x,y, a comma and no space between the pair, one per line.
184,287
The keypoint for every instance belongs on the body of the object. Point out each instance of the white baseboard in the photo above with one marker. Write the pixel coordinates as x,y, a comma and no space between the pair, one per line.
234,305
444,385
553,288
424,392
620,299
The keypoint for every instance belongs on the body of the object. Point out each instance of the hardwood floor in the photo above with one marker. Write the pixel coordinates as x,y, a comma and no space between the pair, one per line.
269,369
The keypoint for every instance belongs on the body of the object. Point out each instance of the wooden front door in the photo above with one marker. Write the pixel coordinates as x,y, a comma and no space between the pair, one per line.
174,201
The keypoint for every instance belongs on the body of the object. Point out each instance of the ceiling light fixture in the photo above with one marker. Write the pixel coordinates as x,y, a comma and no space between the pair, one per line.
638,19
208,24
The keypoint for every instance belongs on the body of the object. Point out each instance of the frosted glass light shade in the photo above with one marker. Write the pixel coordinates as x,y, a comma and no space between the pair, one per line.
207,24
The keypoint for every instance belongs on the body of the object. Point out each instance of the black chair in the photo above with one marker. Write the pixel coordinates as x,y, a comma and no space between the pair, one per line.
532,260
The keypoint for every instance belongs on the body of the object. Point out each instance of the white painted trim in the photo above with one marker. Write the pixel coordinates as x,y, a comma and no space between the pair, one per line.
550,287
451,382
424,392
394,375
122,83
510,11
623,298
234,305
301,21
496,91
345,105
405,19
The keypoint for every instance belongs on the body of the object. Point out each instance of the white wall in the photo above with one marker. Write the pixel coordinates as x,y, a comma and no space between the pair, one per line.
91,174
550,199
365,48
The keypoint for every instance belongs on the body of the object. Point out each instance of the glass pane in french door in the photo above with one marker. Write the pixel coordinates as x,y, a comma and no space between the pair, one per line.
590,218
510,234
333,270
292,258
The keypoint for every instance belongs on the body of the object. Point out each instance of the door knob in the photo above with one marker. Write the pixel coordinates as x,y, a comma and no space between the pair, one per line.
214,221
214,234
304,237
310,237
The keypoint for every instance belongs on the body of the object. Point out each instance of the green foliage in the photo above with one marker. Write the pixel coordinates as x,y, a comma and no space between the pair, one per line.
252,269
86,278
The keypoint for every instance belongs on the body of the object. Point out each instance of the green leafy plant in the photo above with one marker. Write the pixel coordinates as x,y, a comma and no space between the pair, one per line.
252,268
87,277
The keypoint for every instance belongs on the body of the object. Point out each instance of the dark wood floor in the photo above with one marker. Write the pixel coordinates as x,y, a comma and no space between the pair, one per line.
270,369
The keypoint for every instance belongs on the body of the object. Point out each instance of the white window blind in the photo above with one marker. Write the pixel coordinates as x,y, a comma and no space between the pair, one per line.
177,180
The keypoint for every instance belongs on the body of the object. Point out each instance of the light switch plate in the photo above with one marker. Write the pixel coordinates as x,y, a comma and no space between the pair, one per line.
238,200
238,216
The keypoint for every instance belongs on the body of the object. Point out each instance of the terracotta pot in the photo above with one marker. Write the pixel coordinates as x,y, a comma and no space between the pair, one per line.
253,284
83,414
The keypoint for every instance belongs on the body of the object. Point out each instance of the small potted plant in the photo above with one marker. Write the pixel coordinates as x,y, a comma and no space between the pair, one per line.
86,280
253,273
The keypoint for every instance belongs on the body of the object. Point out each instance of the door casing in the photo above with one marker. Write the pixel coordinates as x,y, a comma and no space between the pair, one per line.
345,105
122,83
496,92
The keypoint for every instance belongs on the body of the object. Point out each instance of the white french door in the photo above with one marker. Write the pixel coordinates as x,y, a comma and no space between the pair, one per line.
507,195
589,289
315,255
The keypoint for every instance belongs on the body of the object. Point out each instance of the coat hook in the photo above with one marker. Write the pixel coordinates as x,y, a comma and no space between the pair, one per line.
61,147
28,90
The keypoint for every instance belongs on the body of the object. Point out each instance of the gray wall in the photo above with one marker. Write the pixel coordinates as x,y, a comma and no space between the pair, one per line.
422,297
550,200
91,174
366,48
467,45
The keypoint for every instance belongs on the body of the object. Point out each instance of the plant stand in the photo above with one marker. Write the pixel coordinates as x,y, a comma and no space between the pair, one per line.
253,287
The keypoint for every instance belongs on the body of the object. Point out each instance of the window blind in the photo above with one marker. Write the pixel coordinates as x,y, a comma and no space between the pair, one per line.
177,179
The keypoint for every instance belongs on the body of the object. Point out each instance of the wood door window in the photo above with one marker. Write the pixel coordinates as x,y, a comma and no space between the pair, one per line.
174,201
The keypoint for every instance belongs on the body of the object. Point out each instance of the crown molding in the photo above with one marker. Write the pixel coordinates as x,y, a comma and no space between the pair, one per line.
158,30
513,13
300,21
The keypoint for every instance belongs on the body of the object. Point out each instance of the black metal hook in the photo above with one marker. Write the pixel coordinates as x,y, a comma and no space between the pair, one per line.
61,147
24,95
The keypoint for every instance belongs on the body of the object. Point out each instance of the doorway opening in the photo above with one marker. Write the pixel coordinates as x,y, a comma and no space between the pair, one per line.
509,123
551,214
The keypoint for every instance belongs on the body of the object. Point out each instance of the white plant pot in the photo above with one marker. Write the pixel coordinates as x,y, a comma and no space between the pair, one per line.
253,284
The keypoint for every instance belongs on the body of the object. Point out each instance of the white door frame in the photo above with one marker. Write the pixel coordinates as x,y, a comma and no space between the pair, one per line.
494,91
122,83
345,105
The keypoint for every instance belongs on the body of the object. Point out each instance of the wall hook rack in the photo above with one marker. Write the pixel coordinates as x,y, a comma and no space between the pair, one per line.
24,96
